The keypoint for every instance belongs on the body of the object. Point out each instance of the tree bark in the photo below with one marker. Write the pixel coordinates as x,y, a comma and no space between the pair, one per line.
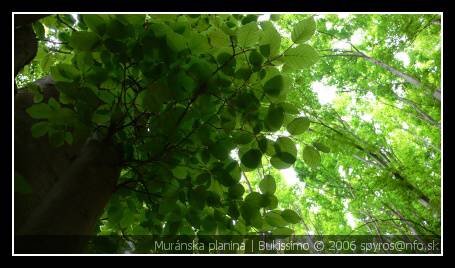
404,76
25,19
437,94
71,208
71,185
384,164
422,113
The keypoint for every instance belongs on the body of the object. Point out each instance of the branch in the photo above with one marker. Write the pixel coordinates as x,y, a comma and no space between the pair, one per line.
247,182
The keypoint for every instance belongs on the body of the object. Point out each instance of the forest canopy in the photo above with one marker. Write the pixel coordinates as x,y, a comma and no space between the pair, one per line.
227,124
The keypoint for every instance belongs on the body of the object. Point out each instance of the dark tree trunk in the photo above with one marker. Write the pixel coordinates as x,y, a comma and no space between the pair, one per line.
71,185
25,19
404,76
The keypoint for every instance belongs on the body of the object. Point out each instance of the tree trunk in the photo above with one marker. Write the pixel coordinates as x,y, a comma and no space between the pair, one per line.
404,76
71,185
25,19
72,206
422,113
437,94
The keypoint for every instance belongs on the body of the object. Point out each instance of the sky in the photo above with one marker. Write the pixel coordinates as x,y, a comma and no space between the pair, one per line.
403,57
290,176
326,94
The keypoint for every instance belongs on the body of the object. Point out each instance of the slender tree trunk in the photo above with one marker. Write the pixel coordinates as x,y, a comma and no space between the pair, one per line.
425,142
384,164
436,21
404,76
422,113
437,94
403,219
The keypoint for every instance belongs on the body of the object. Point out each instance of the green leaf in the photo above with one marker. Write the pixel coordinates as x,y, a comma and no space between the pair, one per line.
243,73
201,70
286,153
321,147
203,179
55,105
40,129
39,30
233,211
274,17
47,61
247,102
95,22
274,86
167,206
250,213
83,60
275,219
265,50
274,118
69,138
232,168
64,116
248,35
102,115
269,201
197,43
56,137
64,73
117,29
218,38
311,156
271,39
115,46
236,191
303,30
135,19
254,199
290,216
228,62
180,172
298,125
39,111
221,149
21,185
267,185
289,108
175,41
249,18
302,56
147,101
277,163
285,145
252,158
38,97
255,58
283,231
83,41
262,144
242,137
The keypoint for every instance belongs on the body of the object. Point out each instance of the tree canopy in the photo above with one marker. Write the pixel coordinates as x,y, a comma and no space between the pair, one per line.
243,124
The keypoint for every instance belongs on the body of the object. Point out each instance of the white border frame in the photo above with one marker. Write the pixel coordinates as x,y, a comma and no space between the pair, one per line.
262,13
